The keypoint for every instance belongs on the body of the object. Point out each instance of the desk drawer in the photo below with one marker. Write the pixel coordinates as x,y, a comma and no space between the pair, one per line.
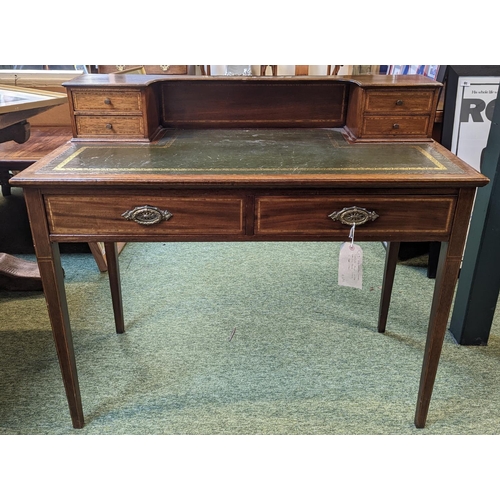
395,126
106,101
114,215
405,217
109,125
399,101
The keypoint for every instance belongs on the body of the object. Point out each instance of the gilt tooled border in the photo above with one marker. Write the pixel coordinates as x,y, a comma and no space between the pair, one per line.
63,166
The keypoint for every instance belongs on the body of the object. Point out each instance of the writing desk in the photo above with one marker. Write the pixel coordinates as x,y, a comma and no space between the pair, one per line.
248,184
17,105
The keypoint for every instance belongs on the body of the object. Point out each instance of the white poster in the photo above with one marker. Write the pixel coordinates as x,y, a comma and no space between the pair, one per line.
473,113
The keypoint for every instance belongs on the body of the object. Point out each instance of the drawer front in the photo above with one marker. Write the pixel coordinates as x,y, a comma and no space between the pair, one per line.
106,101
376,126
109,125
405,217
378,101
124,215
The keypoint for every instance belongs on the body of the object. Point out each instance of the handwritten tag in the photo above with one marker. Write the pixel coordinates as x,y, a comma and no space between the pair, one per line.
351,265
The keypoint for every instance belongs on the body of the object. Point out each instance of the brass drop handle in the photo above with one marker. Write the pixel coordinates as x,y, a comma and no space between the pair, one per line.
109,126
396,125
147,215
399,102
107,101
354,216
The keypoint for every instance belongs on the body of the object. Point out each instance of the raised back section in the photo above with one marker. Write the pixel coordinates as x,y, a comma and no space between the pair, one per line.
253,103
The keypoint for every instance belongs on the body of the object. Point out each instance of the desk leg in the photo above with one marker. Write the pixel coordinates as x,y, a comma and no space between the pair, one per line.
450,259
446,278
391,259
51,273
115,285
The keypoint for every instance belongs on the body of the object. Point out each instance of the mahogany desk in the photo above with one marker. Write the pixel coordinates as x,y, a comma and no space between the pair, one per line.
248,185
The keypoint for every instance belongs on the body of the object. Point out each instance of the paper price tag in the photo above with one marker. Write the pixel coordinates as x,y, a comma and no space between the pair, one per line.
351,265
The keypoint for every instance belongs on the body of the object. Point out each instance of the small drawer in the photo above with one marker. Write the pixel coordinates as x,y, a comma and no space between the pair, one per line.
125,215
405,217
376,126
398,102
109,125
106,101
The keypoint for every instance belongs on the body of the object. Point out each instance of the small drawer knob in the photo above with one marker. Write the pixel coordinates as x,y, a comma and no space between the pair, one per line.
396,126
107,101
399,102
109,126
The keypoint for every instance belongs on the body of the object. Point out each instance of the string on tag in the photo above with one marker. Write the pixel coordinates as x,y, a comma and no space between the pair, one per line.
351,235
351,263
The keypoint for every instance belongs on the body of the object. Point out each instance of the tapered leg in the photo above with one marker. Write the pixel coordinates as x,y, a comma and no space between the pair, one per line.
51,273
115,285
446,278
391,259
450,258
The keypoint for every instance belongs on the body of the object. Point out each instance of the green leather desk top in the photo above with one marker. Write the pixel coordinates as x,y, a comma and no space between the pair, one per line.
285,154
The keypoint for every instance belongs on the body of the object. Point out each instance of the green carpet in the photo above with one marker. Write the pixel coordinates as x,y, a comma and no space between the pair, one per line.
305,357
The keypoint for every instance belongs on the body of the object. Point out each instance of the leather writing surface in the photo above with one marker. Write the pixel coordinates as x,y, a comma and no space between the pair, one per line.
252,152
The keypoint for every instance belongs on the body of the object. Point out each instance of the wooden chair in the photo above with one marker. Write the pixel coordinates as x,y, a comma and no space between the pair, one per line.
335,70
301,70
145,69
304,70
136,70
274,69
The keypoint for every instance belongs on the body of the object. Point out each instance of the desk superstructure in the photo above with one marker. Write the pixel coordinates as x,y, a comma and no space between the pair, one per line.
368,107
236,160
